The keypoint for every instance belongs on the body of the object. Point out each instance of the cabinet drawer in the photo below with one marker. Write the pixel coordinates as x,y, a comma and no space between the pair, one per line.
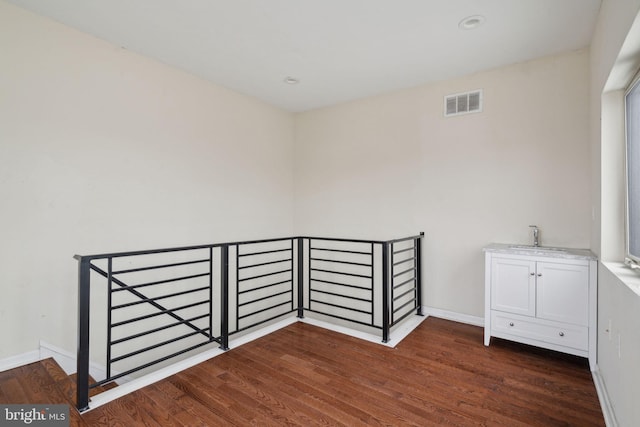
538,329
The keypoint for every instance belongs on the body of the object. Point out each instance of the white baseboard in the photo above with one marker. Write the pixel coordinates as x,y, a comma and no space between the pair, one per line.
605,402
452,315
64,358
395,336
67,360
19,360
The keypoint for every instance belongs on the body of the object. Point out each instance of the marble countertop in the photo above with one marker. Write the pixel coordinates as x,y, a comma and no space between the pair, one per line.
553,252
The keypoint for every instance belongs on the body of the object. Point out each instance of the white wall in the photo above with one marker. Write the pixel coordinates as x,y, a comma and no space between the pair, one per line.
615,54
104,150
393,165
619,346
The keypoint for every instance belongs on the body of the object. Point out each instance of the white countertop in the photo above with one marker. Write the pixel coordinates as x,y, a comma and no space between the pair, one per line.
553,252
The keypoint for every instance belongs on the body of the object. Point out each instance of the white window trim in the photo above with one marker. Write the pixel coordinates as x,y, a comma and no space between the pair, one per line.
630,260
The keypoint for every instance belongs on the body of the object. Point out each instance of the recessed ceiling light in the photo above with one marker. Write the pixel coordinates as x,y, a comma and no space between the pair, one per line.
471,22
291,80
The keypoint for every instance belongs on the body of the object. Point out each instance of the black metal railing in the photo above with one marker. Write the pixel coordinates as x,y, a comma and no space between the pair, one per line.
405,278
264,282
159,304
166,302
342,279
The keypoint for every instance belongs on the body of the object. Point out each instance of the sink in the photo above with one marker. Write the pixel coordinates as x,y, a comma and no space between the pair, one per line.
536,248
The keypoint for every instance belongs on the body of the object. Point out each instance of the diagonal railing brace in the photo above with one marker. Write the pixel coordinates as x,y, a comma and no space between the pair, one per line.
144,297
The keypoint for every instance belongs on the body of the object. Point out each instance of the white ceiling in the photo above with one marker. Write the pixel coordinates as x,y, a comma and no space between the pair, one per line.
339,49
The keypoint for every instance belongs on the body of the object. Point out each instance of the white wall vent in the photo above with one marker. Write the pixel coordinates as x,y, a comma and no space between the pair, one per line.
463,103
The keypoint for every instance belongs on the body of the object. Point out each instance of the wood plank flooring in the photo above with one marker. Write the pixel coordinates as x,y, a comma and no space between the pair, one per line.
304,375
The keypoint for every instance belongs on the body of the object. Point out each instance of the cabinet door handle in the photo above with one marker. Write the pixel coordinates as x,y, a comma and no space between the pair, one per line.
532,274
510,323
539,274
561,334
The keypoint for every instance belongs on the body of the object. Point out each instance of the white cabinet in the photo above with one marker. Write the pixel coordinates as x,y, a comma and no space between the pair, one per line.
562,292
542,299
513,286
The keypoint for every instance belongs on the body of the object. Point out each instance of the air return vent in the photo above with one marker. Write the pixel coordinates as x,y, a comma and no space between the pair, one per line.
463,103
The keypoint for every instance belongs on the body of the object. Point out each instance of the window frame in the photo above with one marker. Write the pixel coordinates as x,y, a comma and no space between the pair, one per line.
630,259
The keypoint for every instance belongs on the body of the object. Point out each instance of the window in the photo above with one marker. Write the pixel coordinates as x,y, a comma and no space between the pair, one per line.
632,108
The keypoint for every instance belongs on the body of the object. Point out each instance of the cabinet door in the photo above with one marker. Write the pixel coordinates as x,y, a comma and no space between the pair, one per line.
563,292
513,286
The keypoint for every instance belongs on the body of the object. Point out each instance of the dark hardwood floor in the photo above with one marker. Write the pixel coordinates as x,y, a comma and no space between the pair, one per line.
303,375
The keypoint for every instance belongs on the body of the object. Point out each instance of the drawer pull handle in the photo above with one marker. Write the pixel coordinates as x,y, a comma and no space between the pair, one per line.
561,334
510,323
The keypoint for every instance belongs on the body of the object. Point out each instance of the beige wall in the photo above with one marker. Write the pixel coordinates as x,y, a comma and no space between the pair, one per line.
104,150
393,165
615,54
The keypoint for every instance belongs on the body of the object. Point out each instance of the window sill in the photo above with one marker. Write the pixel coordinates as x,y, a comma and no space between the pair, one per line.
627,275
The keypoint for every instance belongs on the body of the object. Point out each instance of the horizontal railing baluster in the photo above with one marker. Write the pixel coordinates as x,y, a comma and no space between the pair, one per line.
159,282
341,262
410,291
258,288
264,263
160,344
343,284
341,295
264,275
156,267
404,283
403,261
169,311
411,301
399,251
288,291
341,251
161,328
348,319
264,252
263,310
343,307
403,272
146,300
364,276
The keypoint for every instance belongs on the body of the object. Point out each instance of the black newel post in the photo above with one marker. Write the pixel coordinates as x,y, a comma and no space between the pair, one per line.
419,273
224,297
300,278
82,378
385,292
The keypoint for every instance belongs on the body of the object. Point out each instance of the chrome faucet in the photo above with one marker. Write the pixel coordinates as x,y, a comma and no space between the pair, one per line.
536,240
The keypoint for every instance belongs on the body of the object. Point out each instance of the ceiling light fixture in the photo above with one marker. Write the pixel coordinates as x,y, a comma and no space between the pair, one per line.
471,22
291,80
